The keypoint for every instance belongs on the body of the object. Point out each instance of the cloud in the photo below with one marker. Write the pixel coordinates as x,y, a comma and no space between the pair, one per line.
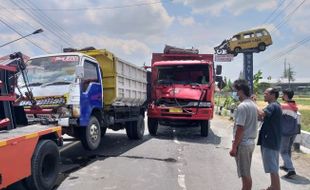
123,48
133,21
236,7
186,21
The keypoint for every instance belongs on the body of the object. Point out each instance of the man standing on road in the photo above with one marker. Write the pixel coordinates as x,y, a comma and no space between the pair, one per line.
270,136
290,129
245,133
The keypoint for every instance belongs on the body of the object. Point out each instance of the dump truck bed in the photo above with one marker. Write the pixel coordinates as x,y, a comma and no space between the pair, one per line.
123,83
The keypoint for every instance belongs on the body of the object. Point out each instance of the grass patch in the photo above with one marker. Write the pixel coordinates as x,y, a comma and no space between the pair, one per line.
305,120
302,101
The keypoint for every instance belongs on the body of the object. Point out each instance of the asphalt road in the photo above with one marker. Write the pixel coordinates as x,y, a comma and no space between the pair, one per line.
176,159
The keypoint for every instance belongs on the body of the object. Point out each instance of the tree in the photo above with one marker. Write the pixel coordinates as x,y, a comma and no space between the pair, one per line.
256,78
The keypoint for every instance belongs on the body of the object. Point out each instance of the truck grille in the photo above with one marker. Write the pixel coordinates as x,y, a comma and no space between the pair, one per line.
170,102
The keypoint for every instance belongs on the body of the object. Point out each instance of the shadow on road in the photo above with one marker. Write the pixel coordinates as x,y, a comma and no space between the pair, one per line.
297,180
187,134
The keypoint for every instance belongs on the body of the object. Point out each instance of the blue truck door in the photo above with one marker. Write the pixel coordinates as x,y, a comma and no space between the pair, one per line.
91,90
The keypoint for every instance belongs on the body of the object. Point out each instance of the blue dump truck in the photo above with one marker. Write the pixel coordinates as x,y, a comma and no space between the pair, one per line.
85,91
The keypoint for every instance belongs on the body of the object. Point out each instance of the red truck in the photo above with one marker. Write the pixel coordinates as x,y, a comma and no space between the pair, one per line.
182,89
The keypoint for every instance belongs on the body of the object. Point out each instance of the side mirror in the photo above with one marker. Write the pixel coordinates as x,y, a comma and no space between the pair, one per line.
218,69
79,71
218,78
220,83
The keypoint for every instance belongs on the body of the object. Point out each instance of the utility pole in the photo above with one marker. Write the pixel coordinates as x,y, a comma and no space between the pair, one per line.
289,75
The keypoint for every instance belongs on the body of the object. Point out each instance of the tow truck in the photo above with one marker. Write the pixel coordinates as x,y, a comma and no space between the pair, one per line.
28,152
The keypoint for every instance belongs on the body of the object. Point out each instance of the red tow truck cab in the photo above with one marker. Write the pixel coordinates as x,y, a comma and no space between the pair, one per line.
182,90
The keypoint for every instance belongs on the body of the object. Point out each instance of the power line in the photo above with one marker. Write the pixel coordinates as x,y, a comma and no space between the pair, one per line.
279,13
288,16
274,11
50,20
93,8
288,50
9,26
42,23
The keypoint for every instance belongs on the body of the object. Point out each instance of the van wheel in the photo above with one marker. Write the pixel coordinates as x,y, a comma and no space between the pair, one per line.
237,50
261,47
44,166
204,128
152,125
219,51
91,135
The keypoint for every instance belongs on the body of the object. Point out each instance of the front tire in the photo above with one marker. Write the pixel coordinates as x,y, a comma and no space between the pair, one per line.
91,135
152,125
44,166
204,128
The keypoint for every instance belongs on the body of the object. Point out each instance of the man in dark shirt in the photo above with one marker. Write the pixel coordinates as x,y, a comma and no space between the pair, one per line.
270,136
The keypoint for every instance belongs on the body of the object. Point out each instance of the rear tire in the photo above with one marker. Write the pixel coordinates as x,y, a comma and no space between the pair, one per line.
44,166
204,128
136,129
152,126
91,135
261,47
237,50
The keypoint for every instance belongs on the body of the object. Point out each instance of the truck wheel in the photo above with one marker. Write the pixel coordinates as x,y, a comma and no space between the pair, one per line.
204,126
91,135
261,47
44,166
152,126
136,128
129,129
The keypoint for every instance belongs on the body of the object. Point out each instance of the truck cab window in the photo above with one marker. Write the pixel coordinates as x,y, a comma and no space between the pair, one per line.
193,74
90,74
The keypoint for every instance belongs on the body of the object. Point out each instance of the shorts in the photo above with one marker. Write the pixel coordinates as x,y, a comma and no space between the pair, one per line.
243,159
270,160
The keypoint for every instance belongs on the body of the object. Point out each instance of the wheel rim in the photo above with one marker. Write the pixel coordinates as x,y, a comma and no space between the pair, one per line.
93,132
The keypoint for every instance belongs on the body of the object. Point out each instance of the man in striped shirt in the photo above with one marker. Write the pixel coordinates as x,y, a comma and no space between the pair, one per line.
290,129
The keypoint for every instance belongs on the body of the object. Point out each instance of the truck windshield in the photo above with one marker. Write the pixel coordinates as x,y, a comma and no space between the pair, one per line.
183,74
50,70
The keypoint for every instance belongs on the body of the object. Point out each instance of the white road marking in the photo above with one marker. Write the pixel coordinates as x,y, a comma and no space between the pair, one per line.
181,181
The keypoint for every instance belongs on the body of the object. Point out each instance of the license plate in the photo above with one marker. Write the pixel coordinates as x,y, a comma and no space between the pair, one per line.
175,110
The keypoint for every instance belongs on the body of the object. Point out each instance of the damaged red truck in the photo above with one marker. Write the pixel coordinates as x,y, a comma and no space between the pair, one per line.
182,90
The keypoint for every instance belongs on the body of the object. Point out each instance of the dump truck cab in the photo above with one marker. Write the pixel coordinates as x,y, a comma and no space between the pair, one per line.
182,91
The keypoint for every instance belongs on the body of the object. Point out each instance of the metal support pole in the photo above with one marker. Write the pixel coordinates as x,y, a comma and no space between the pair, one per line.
248,69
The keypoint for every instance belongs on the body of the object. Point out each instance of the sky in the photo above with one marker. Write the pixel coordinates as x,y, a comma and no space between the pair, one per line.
134,29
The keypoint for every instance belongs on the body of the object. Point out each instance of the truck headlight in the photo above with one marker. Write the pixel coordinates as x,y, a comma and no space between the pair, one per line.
76,110
64,112
205,104
201,104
